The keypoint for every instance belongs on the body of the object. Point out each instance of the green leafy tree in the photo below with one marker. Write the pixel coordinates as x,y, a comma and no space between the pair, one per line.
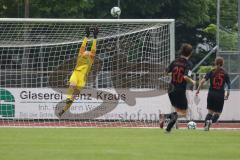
59,9
227,39
204,69
9,8
228,14
189,14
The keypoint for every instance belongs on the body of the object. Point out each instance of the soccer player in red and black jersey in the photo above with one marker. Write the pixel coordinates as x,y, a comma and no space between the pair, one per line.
216,94
180,69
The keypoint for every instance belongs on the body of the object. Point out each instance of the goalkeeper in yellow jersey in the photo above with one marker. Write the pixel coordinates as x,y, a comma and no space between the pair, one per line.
79,76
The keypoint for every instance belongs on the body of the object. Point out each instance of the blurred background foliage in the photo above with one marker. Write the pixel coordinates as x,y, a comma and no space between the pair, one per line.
195,19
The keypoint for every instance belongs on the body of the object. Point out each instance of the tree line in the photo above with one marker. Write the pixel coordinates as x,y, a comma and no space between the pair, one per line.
194,18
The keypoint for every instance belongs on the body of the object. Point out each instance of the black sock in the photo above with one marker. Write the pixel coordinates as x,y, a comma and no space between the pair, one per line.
208,117
215,118
174,117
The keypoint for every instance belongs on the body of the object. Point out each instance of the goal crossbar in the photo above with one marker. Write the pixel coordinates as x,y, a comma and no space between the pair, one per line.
32,20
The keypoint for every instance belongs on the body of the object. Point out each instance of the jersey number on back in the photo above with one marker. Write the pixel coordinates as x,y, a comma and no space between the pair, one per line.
177,74
218,81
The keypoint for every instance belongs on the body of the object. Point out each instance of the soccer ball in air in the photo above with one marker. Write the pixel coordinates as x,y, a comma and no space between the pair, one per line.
191,125
115,11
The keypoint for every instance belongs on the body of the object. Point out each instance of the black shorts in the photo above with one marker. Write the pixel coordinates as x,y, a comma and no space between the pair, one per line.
178,99
215,101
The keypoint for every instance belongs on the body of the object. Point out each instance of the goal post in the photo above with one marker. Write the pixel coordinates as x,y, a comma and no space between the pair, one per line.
37,57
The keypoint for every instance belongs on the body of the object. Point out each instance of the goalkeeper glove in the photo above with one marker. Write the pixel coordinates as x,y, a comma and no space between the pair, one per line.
95,32
87,31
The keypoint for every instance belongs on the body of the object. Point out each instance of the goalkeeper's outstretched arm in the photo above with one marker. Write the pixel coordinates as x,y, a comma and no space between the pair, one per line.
94,44
85,40
83,46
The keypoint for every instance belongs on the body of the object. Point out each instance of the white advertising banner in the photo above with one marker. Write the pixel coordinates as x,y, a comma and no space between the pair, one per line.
44,103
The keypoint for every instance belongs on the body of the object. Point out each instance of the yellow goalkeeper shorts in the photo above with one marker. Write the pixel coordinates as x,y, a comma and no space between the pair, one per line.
78,78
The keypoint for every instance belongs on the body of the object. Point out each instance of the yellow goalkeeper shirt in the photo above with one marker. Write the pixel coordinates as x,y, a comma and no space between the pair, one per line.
84,63
85,58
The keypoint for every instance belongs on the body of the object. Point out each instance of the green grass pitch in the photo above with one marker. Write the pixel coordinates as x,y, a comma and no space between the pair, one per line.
117,144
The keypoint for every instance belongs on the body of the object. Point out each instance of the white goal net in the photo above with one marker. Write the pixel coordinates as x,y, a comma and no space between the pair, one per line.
37,57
